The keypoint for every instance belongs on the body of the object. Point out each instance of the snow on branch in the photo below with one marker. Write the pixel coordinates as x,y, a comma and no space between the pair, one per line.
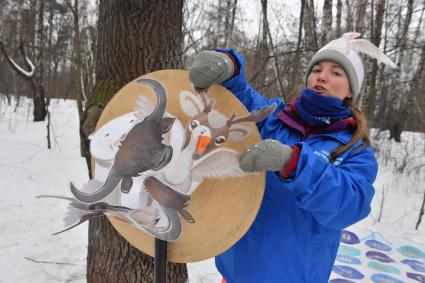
27,74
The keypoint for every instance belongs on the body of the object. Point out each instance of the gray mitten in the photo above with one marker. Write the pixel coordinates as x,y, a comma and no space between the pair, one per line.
210,67
266,155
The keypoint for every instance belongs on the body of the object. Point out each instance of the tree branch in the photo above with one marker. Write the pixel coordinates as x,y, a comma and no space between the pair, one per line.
20,71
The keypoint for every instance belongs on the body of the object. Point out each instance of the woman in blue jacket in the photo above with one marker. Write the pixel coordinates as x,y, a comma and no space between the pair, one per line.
320,166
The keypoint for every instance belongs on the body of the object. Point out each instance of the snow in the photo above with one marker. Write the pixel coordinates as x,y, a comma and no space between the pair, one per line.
28,252
400,180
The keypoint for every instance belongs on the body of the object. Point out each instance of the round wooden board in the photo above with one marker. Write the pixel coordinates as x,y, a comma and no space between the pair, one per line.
223,209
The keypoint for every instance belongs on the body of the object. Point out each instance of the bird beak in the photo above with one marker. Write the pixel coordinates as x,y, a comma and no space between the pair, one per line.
201,146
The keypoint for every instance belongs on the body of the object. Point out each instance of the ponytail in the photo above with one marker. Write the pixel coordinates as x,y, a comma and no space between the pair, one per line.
361,131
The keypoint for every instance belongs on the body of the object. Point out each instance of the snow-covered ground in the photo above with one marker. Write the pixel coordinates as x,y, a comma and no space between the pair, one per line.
27,168
28,252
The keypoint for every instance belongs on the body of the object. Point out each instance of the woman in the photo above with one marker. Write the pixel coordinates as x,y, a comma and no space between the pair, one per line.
320,166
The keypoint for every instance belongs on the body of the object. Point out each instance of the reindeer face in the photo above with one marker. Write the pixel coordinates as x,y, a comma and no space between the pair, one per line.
200,136
204,117
211,137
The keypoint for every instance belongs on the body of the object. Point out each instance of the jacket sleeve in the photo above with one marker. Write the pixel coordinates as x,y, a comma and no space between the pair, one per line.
240,87
337,196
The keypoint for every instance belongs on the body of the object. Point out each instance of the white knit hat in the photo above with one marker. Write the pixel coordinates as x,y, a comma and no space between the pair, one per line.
344,51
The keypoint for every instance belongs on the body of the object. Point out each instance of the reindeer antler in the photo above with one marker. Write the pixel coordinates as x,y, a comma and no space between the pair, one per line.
208,103
254,116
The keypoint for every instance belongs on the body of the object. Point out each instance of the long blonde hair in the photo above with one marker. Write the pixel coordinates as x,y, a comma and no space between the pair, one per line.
361,132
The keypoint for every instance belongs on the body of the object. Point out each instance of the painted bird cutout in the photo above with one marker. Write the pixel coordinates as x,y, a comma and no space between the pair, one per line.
141,149
183,156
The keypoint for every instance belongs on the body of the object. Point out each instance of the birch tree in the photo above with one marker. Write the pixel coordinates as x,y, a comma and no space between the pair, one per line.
376,40
310,26
326,32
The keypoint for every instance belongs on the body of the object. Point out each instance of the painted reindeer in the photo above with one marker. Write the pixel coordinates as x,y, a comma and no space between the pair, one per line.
206,133
202,156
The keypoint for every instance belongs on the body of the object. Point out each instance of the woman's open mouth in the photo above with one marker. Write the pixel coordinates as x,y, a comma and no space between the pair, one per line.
319,89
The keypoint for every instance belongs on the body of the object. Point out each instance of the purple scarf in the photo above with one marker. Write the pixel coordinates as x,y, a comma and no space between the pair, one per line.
319,110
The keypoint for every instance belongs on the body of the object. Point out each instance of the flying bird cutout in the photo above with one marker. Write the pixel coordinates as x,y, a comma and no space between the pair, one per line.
167,167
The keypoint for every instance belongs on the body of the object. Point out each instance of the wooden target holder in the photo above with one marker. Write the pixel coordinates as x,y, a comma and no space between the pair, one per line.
223,209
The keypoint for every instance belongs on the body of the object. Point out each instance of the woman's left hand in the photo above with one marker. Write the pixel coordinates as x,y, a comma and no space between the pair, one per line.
266,155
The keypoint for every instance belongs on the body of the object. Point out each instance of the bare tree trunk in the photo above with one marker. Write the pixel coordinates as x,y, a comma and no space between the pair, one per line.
39,111
397,125
261,57
134,37
338,18
376,40
360,16
39,75
49,146
49,47
219,23
349,17
419,98
326,22
29,29
18,99
382,204
383,102
264,44
293,75
230,20
40,42
49,70
421,213
310,26
77,57
276,62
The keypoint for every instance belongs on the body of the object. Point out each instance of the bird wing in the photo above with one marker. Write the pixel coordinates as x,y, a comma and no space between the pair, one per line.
143,107
105,141
221,163
76,214
79,212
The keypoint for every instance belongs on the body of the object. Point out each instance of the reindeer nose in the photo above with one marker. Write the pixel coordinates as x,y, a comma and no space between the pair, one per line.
202,144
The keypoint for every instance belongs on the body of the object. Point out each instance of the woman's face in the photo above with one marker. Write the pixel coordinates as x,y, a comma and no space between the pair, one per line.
329,78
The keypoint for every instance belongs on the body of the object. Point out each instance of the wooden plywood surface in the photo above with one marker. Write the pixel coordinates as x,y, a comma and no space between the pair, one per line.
223,209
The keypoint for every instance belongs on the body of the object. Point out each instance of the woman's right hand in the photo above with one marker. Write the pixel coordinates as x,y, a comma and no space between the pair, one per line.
210,67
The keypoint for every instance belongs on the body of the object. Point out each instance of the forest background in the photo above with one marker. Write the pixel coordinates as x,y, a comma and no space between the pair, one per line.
53,49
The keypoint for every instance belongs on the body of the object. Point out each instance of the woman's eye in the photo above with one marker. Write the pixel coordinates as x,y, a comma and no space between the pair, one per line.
193,124
316,70
220,140
336,74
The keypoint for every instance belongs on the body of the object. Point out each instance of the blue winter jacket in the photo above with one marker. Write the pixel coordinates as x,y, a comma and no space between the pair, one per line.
296,233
